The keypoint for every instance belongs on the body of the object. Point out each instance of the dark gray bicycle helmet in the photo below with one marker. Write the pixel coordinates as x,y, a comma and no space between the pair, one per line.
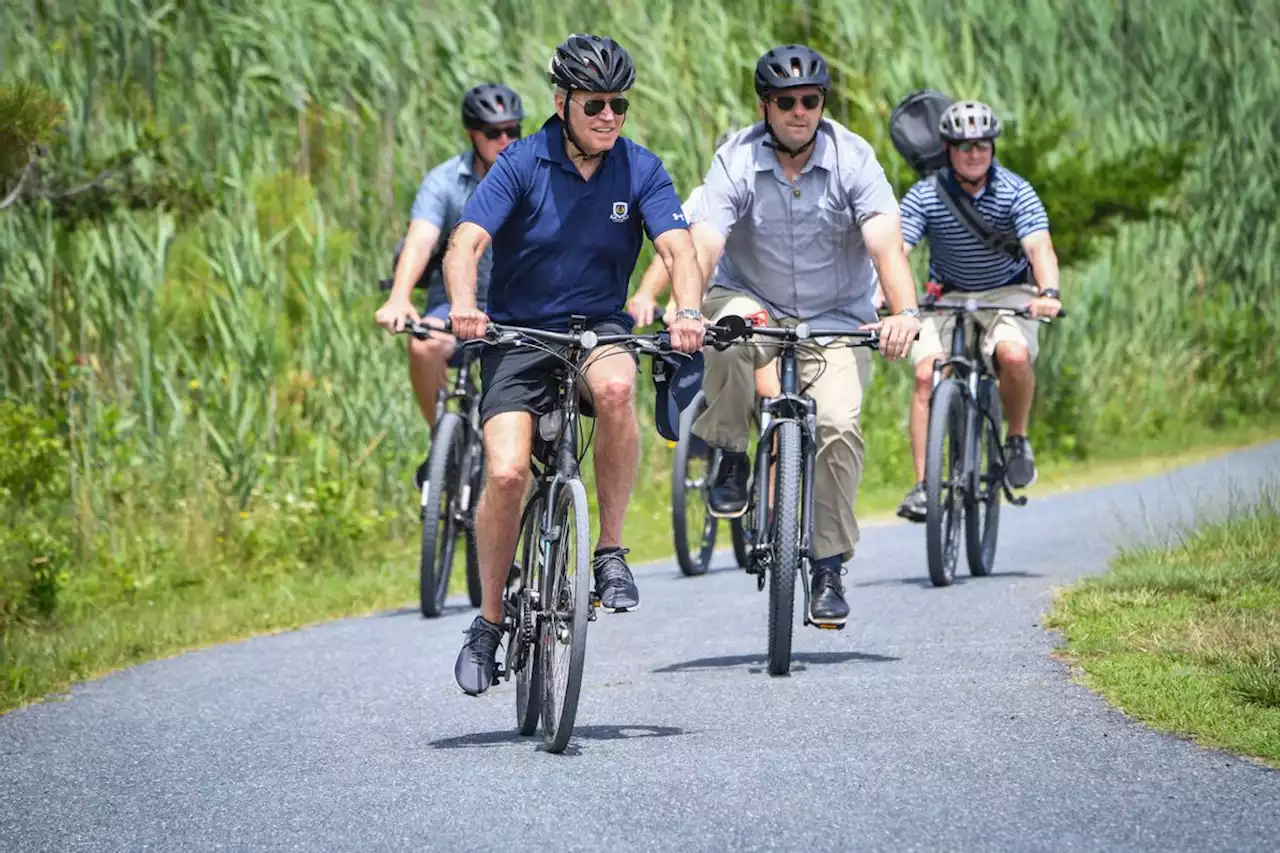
490,104
590,63
791,66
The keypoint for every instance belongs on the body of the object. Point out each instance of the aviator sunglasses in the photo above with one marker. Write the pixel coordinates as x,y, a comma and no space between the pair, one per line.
787,103
498,132
595,106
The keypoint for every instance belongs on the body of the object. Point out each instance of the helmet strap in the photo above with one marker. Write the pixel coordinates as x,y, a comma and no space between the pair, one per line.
774,142
568,131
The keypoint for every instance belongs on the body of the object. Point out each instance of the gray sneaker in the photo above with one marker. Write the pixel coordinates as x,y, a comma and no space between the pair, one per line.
477,662
914,506
614,582
1020,462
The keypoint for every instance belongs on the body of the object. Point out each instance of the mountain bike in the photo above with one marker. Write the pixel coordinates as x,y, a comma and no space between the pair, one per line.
451,485
964,455
550,600
779,530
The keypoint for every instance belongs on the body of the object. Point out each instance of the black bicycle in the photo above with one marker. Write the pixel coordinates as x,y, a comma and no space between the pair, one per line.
451,487
550,598
780,515
964,462
692,471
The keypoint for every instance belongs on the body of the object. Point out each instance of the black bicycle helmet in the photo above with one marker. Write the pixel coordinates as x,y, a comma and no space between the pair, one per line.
490,104
791,66
591,63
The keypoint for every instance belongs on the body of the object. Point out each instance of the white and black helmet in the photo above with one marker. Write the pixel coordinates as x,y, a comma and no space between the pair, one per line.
968,120
489,104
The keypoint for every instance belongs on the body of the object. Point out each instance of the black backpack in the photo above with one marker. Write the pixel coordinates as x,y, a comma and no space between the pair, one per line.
913,128
434,263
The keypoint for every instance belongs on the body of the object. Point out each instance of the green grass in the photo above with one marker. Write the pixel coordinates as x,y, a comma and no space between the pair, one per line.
1188,640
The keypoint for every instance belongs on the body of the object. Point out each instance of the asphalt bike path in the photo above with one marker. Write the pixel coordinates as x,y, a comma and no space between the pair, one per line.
938,719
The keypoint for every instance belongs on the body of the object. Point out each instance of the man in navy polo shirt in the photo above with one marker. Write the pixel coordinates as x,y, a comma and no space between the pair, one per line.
563,210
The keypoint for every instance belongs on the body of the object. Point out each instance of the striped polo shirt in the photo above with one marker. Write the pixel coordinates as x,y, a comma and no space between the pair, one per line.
957,258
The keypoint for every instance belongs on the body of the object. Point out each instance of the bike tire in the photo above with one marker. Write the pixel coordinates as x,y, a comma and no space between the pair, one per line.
687,495
474,588
565,607
529,676
982,502
786,549
943,461
738,532
439,529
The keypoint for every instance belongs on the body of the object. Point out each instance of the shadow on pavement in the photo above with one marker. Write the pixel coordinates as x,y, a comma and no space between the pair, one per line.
413,610
960,580
597,733
755,663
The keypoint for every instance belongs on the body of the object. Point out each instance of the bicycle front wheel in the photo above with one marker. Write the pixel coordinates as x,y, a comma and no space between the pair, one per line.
690,514
439,526
562,632
982,502
943,469
785,544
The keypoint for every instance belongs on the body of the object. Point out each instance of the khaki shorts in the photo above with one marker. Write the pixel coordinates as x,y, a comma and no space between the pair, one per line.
935,334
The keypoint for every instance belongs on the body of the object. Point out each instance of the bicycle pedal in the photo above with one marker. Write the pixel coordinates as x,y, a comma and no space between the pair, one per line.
828,626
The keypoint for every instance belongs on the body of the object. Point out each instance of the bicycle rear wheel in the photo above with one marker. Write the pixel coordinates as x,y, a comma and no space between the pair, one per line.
943,467
690,472
562,631
525,596
982,502
786,548
439,527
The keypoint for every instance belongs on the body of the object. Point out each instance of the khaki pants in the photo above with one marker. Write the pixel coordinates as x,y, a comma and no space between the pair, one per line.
935,335
729,384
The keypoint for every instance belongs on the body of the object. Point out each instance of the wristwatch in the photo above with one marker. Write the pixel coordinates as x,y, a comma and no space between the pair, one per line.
1050,293
689,313
910,312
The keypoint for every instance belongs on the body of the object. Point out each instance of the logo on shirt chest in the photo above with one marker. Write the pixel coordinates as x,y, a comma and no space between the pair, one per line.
620,209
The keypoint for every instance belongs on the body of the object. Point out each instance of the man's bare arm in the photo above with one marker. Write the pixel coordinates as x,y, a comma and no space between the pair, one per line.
461,263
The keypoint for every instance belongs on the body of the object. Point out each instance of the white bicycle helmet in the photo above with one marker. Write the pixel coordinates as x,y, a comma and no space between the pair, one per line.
967,120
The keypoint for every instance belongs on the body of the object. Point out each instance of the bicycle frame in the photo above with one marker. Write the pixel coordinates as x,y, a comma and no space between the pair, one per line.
790,406
968,362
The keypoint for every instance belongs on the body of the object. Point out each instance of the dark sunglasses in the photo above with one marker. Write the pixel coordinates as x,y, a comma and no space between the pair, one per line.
499,132
980,144
787,103
595,106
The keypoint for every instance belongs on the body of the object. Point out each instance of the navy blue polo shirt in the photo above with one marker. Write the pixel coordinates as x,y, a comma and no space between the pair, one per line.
563,245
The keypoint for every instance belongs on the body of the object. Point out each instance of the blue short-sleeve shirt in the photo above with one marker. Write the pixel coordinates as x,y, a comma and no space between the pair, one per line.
441,197
563,245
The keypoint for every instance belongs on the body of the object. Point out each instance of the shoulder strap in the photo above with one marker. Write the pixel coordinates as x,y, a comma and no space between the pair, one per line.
963,209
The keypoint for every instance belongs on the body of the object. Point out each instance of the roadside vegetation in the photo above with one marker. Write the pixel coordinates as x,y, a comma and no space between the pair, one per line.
205,436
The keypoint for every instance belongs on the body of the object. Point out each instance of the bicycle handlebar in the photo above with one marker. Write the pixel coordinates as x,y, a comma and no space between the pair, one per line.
654,343
969,306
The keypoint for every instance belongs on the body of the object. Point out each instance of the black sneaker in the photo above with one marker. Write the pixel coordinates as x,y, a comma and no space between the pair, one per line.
477,662
826,597
728,494
1020,462
420,475
914,507
614,584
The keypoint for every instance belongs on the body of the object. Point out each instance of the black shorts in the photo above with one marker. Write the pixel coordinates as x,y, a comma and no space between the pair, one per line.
524,379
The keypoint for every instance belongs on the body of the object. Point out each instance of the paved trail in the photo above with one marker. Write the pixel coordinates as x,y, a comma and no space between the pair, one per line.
936,721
